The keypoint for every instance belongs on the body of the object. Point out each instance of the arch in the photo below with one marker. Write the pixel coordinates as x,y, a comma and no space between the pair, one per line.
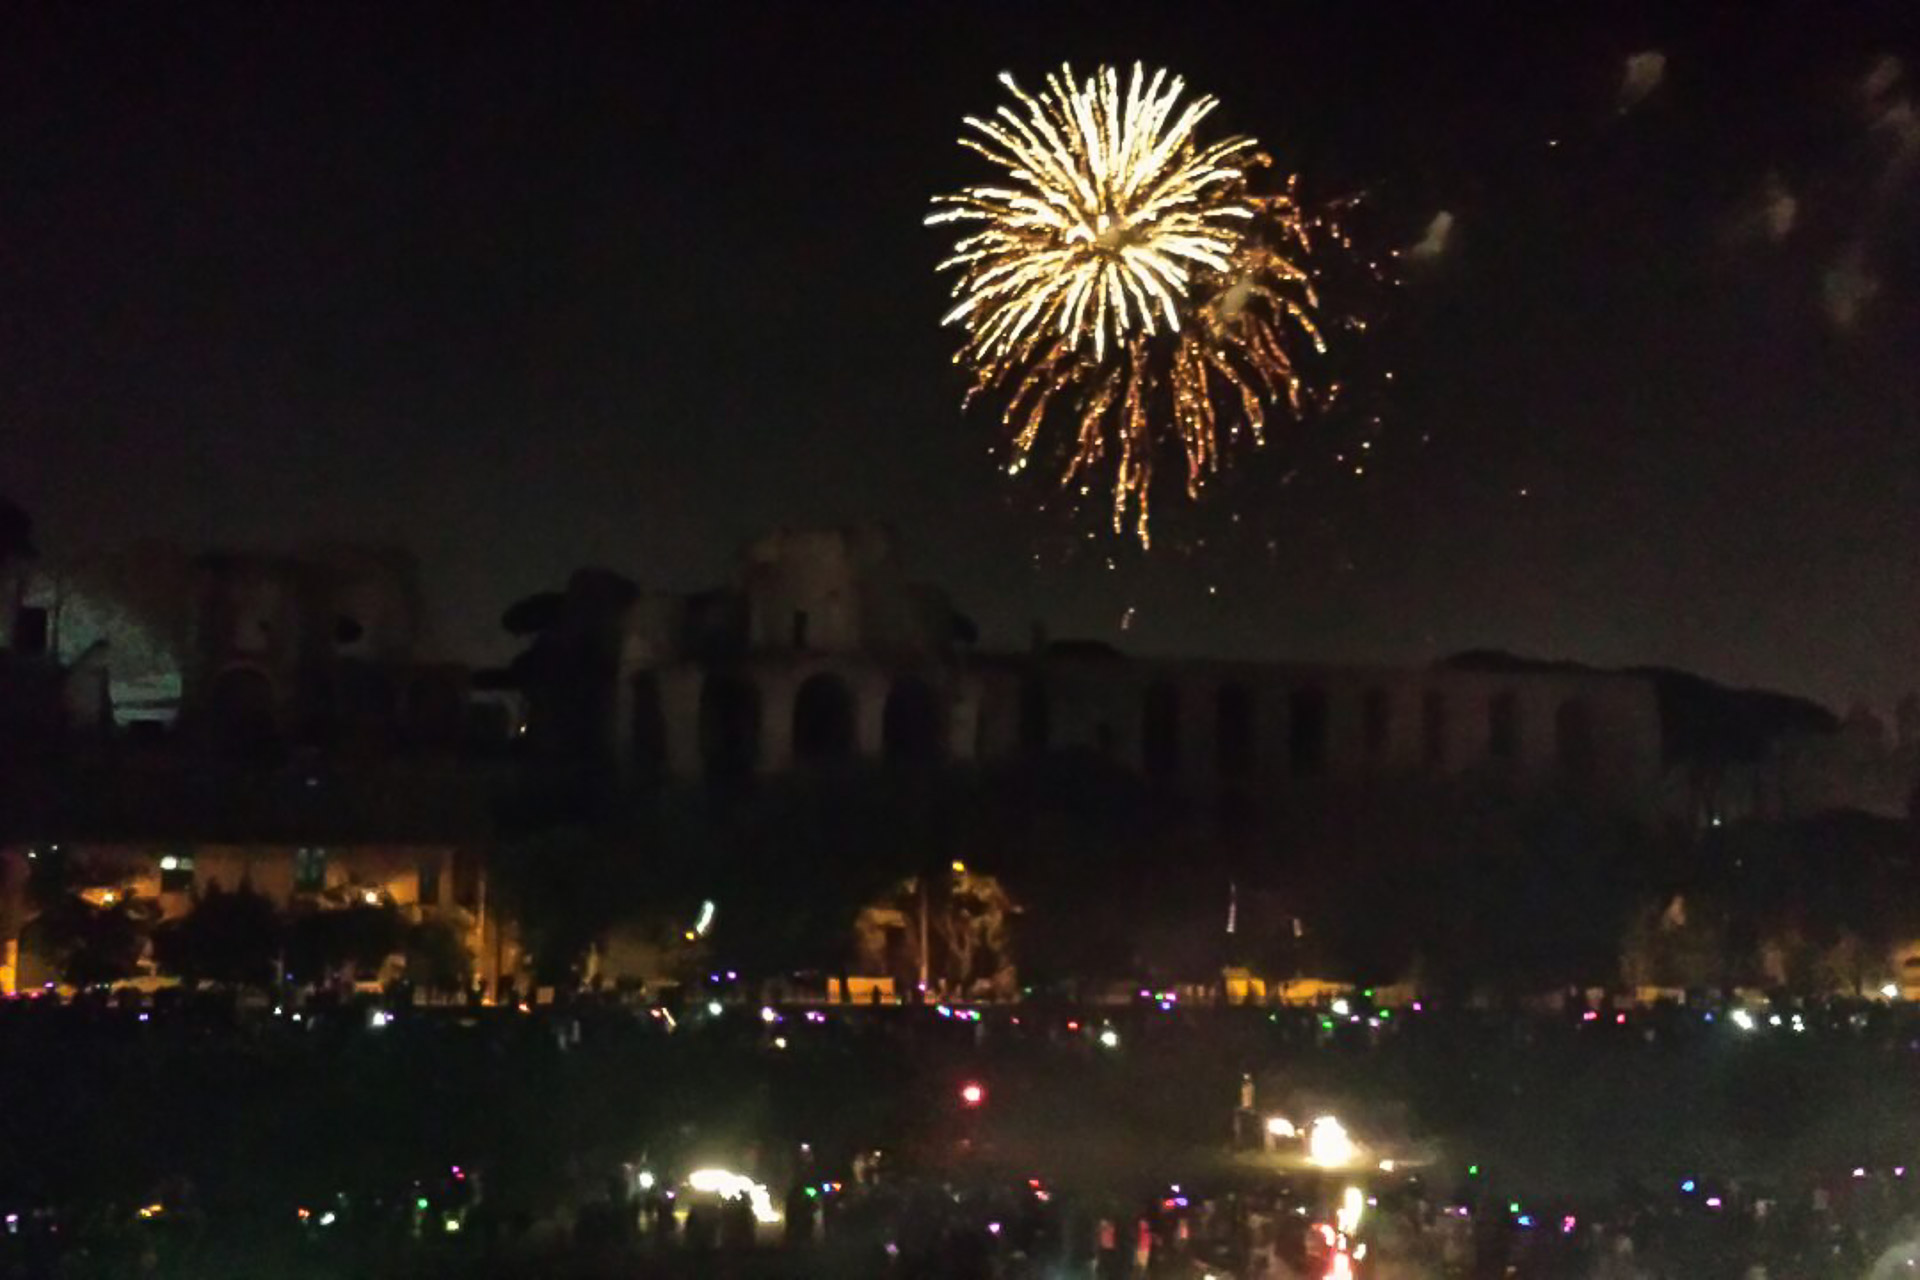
240,708
1433,729
365,695
912,728
647,743
1036,715
823,720
1503,726
1307,731
1160,730
1573,743
729,726
1233,730
1376,720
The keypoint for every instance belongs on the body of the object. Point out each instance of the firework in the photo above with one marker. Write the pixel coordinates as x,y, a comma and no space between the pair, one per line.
1125,277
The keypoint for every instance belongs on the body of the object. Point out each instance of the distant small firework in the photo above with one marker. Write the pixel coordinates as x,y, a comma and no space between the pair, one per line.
1127,275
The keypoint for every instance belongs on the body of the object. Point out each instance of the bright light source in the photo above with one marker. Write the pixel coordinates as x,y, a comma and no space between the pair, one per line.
646,1180
1328,1144
768,1016
1387,1166
1281,1127
733,1186
1891,991
1352,1205
1742,1019
779,1042
1109,1038
1341,1008
704,921
371,897
973,1093
379,1018
959,867
169,863
713,1008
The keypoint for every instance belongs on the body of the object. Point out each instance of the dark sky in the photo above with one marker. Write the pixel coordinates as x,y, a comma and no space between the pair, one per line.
537,286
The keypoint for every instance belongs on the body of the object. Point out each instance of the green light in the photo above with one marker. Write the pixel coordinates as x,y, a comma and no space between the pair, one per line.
1326,1024
1368,993
1385,1014
812,1194
1473,1171
1513,1206
421,1203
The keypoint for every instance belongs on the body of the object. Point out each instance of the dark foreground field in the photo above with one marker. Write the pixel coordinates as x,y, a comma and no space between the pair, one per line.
232,1126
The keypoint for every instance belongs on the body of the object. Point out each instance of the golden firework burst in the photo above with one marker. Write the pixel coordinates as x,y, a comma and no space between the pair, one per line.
1126,276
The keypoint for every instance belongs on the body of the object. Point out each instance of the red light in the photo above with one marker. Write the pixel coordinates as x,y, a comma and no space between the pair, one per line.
972,1093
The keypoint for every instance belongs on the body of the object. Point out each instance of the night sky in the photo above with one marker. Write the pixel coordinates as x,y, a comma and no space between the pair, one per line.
538,286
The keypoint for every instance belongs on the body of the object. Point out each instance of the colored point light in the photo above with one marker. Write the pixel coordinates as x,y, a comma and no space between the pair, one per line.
973,1093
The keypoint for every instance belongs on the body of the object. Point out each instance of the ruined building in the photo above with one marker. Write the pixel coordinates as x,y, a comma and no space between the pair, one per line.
823,652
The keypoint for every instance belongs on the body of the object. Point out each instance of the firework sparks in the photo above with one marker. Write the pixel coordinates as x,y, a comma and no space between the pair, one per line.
1126,277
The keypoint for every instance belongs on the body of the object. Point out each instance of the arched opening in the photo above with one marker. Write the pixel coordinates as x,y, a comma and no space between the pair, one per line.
1307,732
1160,731
240,709
1233,730
1376,716
823,720
1036,715
647,747
1573,745
1503,726
729,727
365,696
435,709
1433,730
911,727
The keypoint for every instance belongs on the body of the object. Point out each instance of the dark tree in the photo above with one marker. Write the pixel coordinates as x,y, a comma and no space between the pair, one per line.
229,937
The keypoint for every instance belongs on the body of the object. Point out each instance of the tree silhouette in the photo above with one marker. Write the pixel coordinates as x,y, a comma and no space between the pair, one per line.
229,937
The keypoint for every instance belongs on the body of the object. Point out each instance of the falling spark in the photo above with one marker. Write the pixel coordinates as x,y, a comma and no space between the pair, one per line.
1124,275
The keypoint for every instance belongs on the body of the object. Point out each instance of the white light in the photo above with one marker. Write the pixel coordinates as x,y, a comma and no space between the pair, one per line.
646,1180
169,863
1328,1144
379,1018
327,1218
779,1042
1109,1038
768,1016
1387,1166
713,1008
371,897
1742,1019
705,921
1342,1008
733,1186
1891,991
1281,1127
1353,1204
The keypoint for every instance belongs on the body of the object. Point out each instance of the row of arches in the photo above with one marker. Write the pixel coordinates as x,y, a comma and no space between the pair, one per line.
1308,732
824,727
